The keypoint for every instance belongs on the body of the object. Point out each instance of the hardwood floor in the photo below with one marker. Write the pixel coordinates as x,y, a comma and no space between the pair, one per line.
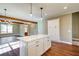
61,49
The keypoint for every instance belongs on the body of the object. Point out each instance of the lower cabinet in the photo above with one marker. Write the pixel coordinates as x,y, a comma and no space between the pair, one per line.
32,50
47,44
37,47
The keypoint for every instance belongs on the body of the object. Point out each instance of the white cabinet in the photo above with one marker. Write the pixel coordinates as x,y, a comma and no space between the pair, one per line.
39,47
32,50
36,47
47,43
54,29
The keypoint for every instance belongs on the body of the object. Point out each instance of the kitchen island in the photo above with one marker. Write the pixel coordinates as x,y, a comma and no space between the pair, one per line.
34,45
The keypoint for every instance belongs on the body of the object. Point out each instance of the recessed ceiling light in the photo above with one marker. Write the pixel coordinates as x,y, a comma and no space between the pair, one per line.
65,7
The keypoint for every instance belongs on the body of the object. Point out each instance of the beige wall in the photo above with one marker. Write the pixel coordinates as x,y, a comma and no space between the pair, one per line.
65,25
66,28
75,25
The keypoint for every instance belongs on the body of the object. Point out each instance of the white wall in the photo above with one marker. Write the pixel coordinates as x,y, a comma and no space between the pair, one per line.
22,30
16,28
33,29
42,27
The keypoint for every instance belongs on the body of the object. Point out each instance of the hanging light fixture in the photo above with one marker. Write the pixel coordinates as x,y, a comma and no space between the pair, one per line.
30,9
5,15
41,13
3,20
6,20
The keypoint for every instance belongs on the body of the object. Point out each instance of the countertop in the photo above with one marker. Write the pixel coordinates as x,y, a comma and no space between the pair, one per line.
32,37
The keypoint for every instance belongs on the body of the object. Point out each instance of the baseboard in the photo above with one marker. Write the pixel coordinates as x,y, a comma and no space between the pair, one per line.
64,42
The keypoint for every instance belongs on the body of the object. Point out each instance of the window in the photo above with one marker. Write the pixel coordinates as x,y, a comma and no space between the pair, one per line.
6,28
3,28
26,28
10,28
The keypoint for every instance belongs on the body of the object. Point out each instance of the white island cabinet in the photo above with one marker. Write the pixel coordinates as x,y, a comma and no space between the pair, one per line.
34,45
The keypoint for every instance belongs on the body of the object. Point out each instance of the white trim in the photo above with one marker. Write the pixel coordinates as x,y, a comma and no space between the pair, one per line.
64,42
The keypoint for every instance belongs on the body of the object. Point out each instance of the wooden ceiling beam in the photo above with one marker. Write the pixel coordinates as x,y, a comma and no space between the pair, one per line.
12,18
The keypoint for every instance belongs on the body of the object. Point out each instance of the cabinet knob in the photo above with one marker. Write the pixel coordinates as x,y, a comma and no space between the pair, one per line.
48,40
37,45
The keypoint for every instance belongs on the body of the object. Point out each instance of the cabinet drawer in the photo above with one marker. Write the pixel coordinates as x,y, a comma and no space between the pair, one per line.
35,42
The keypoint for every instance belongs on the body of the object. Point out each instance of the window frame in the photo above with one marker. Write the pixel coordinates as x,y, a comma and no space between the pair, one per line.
7,32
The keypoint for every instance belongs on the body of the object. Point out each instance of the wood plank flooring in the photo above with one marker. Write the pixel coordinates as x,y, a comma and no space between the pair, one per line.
61,49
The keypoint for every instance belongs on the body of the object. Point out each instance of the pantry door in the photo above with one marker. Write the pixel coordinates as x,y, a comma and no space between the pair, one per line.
53,29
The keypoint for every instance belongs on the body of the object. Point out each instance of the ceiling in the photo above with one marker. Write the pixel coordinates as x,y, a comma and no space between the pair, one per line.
50,10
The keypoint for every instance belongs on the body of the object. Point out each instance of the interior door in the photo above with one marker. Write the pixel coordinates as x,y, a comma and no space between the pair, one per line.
53,29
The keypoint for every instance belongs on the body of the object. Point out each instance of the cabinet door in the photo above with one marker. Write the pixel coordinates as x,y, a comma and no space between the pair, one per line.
35,48
53,29
32,50
47,43
39,47
23,48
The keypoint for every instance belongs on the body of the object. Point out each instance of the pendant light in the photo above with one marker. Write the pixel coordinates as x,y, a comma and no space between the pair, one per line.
30,9
4,20
41,13
5,15
7,20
